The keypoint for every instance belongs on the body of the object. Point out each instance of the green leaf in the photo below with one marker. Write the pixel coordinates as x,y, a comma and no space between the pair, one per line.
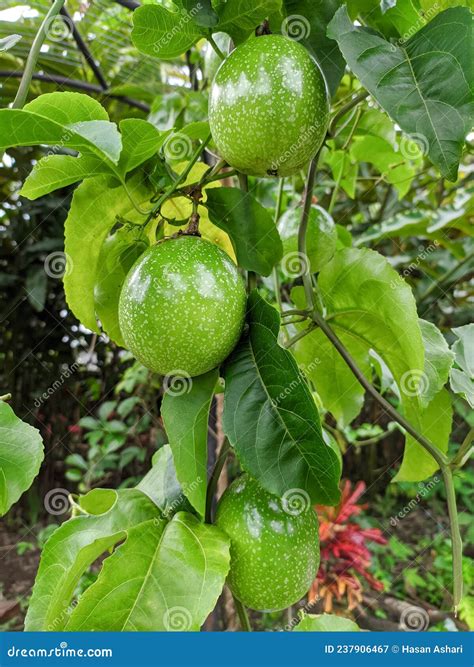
117,256
165,577
307,21
163,34
141,140
438,362
341,394
21,453
391,164
250,226
422,83
75,545
186,415
270,417
240,18
321,238
162,486
62,119
92,215
462,378
435,423
201,11
344,169
57,171
325,623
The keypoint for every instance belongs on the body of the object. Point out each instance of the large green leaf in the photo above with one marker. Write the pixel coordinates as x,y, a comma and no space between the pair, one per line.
75,545
325,623
185,415
21,453
165,577
462,376
423,83
239,18
307,21
438,362
270,417
158,32
62,120
250,226
92,215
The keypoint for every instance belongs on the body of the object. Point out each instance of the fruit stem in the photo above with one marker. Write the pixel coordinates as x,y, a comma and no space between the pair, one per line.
344,109
214,478
276,278
251,275
22,93
212,42
243,616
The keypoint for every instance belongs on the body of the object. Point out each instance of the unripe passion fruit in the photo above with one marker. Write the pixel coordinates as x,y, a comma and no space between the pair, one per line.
268,107
274,545
182,307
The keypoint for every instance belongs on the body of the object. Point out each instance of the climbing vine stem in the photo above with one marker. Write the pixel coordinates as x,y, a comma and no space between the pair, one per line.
318,319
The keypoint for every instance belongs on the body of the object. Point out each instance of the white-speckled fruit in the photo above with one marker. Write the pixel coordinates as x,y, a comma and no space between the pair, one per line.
182,307
274,554
269,107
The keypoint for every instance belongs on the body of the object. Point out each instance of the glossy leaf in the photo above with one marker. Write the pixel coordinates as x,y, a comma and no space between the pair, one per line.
75,545
201,10
185,416
250,226
7,43
270,417
21,454
438,361
165,577
462,376
141,140
423,87
92,215
163,34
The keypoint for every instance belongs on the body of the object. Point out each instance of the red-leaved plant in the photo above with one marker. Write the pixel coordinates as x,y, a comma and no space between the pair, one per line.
344,554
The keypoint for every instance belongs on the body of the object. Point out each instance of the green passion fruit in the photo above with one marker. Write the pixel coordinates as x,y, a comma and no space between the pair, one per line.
269,107
274,544
182,307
